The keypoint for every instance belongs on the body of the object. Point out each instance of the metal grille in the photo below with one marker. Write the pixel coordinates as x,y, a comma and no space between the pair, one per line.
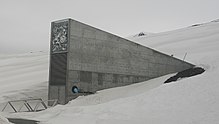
58,69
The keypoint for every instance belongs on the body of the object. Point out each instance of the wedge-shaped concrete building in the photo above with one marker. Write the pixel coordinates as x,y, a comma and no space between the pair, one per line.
84,59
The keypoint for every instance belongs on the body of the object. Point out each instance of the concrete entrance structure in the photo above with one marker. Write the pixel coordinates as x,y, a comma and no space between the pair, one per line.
91,59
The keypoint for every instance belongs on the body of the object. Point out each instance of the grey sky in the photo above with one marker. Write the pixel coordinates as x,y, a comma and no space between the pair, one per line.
25,24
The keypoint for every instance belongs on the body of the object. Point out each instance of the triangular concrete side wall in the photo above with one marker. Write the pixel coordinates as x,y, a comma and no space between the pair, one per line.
99,60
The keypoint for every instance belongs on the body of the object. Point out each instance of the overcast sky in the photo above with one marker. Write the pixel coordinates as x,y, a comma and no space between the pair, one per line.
25,24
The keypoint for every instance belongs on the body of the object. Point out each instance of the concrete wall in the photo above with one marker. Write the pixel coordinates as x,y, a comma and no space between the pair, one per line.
97,60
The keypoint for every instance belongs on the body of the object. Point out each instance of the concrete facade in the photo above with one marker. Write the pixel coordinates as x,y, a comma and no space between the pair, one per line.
92,59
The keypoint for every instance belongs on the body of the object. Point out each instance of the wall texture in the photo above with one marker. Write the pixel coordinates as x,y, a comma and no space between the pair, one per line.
98,60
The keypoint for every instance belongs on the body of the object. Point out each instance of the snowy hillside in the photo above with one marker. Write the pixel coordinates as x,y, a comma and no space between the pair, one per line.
191,40
192,100
23,76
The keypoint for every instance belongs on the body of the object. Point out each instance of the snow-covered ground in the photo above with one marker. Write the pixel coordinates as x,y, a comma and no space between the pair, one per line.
193,100
3,120
22,75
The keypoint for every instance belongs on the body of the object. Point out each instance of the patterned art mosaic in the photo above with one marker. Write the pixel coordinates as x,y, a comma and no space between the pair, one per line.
59,37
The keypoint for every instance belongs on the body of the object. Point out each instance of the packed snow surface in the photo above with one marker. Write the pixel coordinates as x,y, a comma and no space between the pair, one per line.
193,100
3,120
